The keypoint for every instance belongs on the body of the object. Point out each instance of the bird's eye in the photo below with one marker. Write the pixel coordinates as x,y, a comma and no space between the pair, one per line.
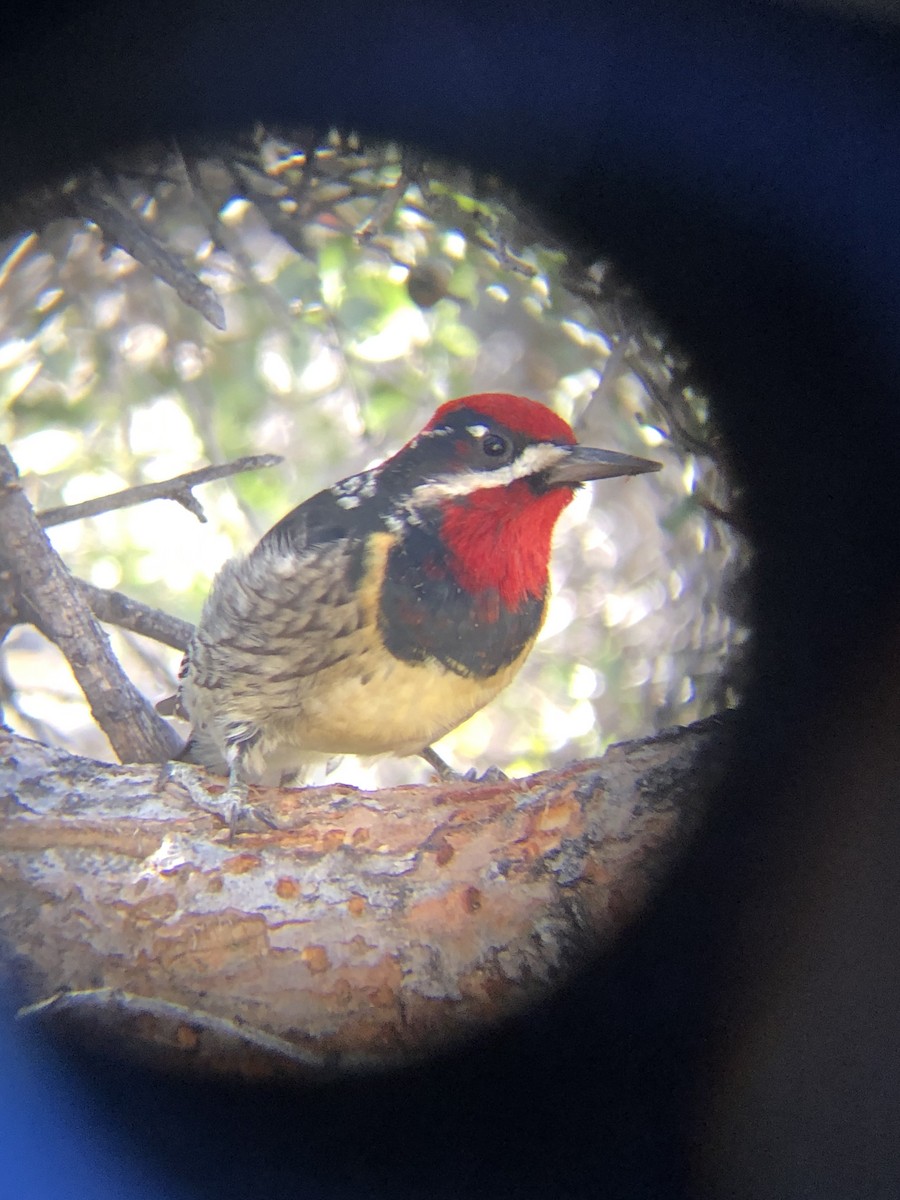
494,445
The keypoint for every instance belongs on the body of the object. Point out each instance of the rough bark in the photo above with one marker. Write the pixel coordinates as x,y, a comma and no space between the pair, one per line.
50,596
367,929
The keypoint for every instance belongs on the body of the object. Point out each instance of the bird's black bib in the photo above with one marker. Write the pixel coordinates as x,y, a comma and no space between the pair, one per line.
425,613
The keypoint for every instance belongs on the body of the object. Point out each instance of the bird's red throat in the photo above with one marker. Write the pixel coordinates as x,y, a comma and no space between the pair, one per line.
499,539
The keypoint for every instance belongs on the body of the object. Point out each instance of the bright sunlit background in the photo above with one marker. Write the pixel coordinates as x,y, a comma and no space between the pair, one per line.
361,288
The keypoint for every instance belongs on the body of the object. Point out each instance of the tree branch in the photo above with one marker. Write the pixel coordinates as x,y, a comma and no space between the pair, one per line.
368,929
54,604
385,207
178,488
115,608
124,228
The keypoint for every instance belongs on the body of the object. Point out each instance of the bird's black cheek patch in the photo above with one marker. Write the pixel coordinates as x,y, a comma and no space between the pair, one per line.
424,613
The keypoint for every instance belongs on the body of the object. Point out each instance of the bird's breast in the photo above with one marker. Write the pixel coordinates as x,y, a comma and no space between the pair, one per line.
425,613
426,655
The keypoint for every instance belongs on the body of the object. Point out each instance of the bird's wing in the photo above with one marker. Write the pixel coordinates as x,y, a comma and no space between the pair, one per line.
278,617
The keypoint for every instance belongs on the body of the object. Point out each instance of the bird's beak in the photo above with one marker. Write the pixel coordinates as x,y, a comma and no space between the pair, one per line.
583,463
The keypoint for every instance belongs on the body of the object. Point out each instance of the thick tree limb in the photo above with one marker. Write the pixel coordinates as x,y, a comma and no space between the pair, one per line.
54,604
368,929
178,489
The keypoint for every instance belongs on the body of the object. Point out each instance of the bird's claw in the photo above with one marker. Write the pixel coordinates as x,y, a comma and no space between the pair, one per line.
448,775
239,815
491,775
231,806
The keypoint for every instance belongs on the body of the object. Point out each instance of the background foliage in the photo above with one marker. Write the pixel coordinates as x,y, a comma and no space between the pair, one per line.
361,286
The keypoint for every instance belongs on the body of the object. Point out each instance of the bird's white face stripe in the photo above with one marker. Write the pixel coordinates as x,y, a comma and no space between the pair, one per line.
532,460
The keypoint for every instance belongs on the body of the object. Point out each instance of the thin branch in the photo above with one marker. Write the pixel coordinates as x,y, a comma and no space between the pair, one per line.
603,395
115,608
177,488
228,241
665,396
9,701
126,229
720,514
383,212
55,605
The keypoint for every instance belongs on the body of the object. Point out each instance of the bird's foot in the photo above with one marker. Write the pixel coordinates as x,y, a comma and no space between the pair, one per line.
448,775
491,775
232,806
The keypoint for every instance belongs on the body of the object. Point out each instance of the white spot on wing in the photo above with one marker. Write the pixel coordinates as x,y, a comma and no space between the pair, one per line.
349,486
348,501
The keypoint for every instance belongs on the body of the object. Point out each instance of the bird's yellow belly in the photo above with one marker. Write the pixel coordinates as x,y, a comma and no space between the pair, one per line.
383,705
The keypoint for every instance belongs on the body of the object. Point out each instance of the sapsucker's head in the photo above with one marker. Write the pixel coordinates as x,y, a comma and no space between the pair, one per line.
494,472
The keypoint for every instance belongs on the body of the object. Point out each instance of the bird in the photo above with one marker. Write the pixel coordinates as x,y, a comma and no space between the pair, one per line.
387,609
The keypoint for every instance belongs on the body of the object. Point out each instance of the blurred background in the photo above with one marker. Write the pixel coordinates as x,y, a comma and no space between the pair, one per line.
360,286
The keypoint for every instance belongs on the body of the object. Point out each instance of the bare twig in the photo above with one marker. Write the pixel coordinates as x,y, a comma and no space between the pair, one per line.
9,701
604,392
383,212
117,609
228,241
114,608
720,514
178,489
124,228
55,605
665,397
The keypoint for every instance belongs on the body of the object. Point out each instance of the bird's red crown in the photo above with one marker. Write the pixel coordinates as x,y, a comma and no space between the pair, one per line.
516,412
